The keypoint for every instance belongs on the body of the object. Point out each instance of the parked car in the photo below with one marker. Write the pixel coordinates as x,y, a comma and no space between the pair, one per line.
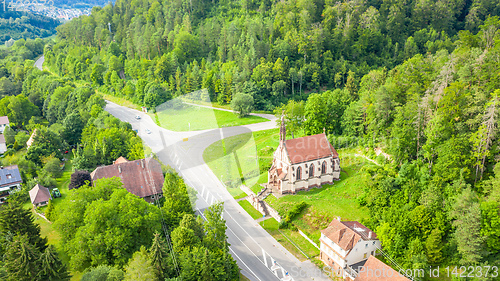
138,117
148,131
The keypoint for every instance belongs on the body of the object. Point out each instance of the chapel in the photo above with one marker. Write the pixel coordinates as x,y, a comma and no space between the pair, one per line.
302,163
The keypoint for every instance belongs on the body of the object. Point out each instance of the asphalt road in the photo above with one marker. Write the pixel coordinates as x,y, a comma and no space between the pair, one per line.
39,62
258,254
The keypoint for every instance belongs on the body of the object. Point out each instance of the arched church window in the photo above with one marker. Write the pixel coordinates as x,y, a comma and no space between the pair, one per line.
299,173
323,168
311,171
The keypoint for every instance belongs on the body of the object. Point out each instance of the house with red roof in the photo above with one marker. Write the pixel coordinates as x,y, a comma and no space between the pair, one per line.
375,270
302,163
142,177
347,245
4,123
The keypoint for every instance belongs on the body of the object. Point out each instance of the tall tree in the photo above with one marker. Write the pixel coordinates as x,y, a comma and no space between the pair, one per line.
17,220
139,267
22,259
51,267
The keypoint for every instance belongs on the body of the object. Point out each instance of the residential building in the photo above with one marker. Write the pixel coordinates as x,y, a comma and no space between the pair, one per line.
3,144
302,163
39,196
143,177
375,270
10,181
346,245
4,123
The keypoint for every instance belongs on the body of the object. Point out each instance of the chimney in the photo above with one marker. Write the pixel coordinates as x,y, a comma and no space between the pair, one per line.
370,235
142,163
119,169
338,218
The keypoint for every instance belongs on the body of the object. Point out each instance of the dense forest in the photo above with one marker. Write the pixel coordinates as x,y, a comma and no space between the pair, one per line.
417,79
23,25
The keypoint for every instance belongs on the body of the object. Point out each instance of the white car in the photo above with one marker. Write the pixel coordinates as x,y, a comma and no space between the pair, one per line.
138,117
148,131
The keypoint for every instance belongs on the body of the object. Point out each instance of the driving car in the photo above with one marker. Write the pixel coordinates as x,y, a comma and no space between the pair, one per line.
148,131
138,117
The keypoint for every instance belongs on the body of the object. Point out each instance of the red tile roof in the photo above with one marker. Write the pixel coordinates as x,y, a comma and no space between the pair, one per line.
120,160
309,148
375,270
347,233
39,194
4,120
140,177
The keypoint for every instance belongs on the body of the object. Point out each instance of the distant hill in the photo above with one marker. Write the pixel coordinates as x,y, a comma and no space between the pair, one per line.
17,25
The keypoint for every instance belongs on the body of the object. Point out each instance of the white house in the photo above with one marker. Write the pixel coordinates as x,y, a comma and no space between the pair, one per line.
4,122
3,145
347,245
303,163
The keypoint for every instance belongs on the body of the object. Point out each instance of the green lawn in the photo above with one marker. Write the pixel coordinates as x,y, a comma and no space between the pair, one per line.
194,118
46,229
291,240
242,159
250,209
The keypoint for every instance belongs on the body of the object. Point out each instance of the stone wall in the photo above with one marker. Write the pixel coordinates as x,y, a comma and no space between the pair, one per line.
263,207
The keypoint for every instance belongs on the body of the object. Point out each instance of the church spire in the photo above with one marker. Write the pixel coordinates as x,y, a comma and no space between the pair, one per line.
283,128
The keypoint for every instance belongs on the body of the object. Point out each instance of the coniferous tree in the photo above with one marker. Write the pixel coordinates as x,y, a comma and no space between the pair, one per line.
51,267
17,220
22,260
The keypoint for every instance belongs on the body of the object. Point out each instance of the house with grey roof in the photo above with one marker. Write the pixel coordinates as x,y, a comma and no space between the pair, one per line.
10,181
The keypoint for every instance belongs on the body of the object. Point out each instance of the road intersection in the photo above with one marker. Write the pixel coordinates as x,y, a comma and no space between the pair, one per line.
258,254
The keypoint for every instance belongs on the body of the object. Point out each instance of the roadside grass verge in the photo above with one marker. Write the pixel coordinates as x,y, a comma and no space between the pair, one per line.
195,118
291,240
244,158
250,209
120,101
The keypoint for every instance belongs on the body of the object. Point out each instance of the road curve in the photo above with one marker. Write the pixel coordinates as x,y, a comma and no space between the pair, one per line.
39,62
252,247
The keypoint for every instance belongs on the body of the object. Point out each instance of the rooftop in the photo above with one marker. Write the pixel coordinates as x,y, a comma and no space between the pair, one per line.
4,120
375,270
142,177
39,194
309,148
9,176
346,234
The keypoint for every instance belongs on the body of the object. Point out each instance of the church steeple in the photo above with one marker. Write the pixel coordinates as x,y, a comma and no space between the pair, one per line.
282,128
